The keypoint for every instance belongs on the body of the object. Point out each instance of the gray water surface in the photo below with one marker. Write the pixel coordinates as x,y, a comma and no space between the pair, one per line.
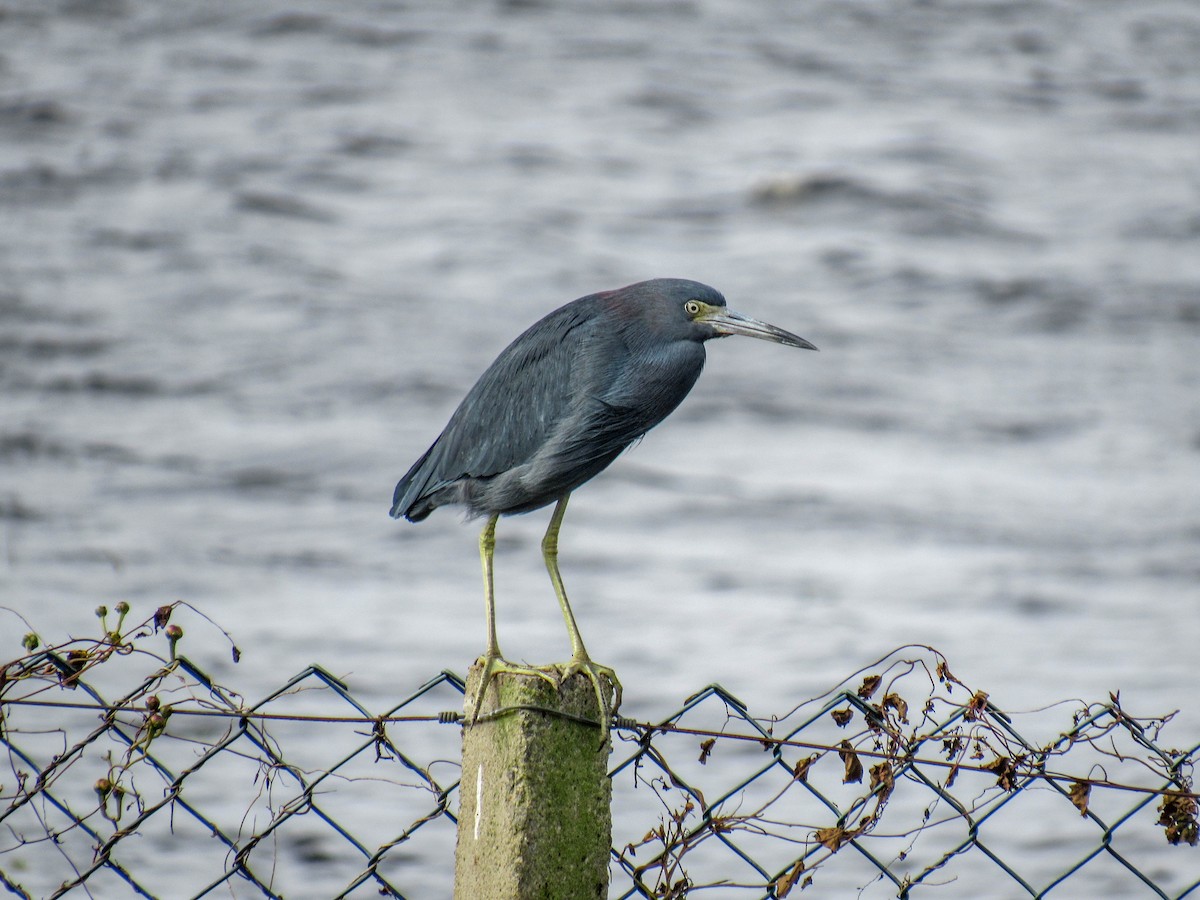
251,256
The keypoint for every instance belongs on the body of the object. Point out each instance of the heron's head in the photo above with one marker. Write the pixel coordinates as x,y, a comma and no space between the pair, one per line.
701,310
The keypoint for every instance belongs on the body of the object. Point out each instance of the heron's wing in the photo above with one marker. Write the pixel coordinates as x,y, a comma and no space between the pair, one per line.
509,414
640,390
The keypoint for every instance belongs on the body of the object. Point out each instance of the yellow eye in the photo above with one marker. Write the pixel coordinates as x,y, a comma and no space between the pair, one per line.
692,308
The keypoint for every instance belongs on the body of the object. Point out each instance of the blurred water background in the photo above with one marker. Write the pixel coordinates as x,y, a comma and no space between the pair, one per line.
252,255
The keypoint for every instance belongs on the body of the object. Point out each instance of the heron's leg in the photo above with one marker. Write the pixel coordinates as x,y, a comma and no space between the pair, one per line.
491,660
487,549
580,661
550,554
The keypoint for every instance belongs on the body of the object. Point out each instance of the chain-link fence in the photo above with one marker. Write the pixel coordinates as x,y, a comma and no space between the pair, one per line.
130,771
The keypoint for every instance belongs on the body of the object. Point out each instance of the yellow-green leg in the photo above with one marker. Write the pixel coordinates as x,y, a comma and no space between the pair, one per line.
580,661
487,551
492,661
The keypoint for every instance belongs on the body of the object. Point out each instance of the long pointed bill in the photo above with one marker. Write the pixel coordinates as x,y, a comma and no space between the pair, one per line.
727,322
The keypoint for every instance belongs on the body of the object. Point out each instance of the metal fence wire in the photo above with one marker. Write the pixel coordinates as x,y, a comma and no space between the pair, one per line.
130,771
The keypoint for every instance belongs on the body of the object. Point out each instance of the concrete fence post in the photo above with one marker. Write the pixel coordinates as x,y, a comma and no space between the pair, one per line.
534,816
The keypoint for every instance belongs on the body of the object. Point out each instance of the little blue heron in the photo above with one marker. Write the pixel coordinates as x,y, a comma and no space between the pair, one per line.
554,409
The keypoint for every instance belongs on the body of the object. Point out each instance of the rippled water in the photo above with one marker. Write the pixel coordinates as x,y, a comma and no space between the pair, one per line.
250,259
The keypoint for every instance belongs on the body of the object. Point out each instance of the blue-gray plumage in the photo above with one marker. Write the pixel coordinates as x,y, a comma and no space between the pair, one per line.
555,408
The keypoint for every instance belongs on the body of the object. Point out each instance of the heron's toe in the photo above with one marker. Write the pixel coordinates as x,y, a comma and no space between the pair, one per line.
594,672
494,664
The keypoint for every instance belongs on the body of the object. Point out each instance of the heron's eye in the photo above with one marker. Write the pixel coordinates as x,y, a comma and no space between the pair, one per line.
692,308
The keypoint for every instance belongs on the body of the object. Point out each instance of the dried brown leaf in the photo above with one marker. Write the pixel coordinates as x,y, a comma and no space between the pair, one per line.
854,768
723,824
784,883
1079,793
898,703
883,779
869,686
944,674
800,772
842,717
833,838
977,706
1004,769
1177,815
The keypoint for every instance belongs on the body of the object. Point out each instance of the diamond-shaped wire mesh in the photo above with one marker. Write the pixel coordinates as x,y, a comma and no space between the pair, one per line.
907,785
133,774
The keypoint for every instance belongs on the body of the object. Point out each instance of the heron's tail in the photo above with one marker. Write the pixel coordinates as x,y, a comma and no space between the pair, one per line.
410,491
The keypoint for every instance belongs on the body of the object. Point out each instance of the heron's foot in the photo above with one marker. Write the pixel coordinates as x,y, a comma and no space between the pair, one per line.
494,664
583,665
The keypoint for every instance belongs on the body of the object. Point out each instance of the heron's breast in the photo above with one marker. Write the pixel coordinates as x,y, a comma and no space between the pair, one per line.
663,378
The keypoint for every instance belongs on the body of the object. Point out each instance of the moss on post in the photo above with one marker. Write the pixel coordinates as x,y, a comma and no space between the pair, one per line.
534,817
